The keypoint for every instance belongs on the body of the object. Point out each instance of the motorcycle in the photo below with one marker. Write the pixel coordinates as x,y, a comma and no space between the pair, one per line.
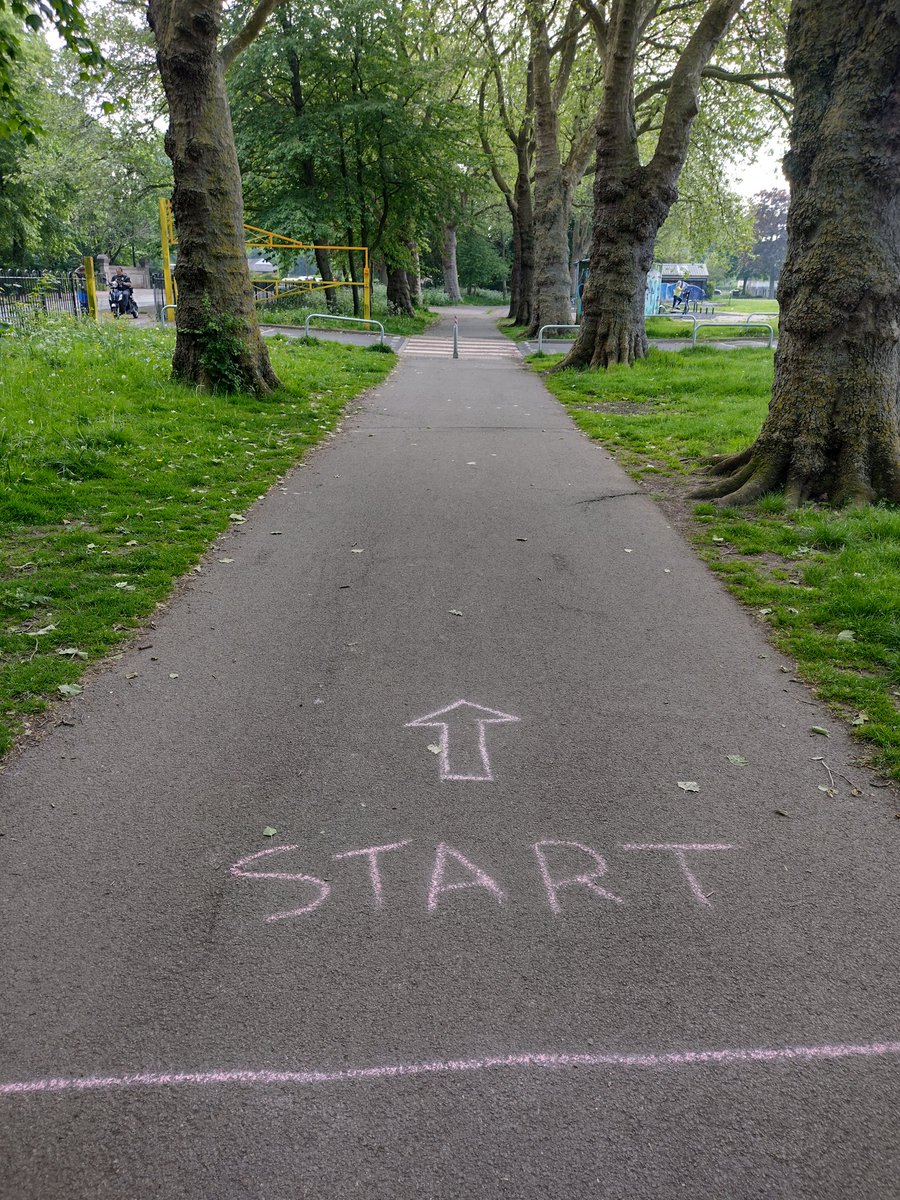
121,299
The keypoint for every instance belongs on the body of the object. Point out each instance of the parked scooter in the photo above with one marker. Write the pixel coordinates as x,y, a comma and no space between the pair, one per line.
121,297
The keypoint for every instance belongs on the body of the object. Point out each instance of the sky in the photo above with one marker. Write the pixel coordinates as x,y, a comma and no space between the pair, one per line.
748,178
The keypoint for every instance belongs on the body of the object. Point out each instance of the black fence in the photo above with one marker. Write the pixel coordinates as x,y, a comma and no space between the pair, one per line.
24,293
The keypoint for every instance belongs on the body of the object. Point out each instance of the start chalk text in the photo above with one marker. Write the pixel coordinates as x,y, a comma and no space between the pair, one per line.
561,868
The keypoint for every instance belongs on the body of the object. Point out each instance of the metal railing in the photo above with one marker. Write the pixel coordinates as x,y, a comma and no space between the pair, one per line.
750,316
729,325
541,333
350,320
23,293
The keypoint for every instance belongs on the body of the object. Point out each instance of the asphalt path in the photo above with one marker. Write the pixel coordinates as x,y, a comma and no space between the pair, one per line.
567,975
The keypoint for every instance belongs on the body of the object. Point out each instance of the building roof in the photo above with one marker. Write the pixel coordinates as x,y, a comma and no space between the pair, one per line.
692,270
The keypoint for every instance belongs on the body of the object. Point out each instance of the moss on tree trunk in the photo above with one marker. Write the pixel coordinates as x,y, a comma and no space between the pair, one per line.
833,428
218,343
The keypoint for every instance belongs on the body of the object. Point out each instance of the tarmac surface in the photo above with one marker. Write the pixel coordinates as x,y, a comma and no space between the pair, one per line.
282,918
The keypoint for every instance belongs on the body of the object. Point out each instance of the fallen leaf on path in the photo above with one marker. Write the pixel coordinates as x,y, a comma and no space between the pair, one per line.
435,749
269,831
627,551
819,730
779,812
173,674
276,533
454,612
860,718
829,791
72,652
689,786
132,675
737,759
355,551
226,560
69,689
236,517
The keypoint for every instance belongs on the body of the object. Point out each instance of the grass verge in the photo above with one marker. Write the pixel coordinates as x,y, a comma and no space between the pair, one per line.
287,312
825,582
114,481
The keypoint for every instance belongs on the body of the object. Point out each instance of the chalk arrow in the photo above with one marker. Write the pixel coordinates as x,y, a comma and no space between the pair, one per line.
470,760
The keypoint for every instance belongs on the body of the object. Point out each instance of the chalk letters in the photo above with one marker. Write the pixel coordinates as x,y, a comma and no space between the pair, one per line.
585,879
372,853
478,877
238,872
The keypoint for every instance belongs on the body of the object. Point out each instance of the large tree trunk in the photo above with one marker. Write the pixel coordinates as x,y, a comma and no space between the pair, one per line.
552,206
218,343
525,210
515,275
398,294
631,201
414,276
323,264
451,274
553,188
833,428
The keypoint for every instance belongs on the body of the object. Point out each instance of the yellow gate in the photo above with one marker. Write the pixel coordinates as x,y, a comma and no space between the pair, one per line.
265,239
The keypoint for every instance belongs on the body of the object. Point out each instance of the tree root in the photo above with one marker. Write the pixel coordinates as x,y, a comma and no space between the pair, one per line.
753,477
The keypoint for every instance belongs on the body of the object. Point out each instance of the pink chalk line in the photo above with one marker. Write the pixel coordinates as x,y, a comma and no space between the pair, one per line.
454,1066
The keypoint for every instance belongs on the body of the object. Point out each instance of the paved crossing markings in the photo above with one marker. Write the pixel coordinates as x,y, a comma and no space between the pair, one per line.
435,347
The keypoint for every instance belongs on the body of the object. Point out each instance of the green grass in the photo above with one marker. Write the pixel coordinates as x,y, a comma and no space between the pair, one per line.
294,310
727,304
667,327
114,481
484,298
811,574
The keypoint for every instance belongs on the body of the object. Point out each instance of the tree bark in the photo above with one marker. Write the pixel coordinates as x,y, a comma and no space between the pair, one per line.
525,217
552,197
218,343
398,293
451,274
323,264
515,274
632,200
833,427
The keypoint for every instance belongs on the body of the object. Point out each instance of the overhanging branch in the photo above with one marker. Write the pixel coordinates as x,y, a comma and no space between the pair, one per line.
239,43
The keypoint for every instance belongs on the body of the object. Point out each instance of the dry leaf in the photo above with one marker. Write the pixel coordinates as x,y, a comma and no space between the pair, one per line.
689,786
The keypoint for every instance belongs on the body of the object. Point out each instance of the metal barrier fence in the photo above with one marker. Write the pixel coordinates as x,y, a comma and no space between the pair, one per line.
23,293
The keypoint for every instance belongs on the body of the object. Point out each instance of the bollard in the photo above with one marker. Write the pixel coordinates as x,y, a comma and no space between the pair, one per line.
456,337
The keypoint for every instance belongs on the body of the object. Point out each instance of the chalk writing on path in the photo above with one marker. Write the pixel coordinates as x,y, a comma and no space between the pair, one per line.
562,866
662,1060
467,758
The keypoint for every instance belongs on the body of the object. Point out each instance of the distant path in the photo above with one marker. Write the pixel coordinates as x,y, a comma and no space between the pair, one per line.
454,835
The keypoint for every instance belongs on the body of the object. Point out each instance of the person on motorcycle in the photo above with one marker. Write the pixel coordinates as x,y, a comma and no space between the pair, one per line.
121,295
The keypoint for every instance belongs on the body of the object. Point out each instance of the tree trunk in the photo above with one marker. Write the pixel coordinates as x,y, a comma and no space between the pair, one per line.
218,343
833,428
398,294
451,274
351,267
323,263
552,197
414,277
631,201
515,275
525,209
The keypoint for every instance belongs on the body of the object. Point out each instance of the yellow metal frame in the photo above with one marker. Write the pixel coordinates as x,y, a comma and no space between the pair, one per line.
266,239
90,287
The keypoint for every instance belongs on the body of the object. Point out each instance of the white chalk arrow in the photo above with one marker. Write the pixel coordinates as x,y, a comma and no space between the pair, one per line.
471,760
